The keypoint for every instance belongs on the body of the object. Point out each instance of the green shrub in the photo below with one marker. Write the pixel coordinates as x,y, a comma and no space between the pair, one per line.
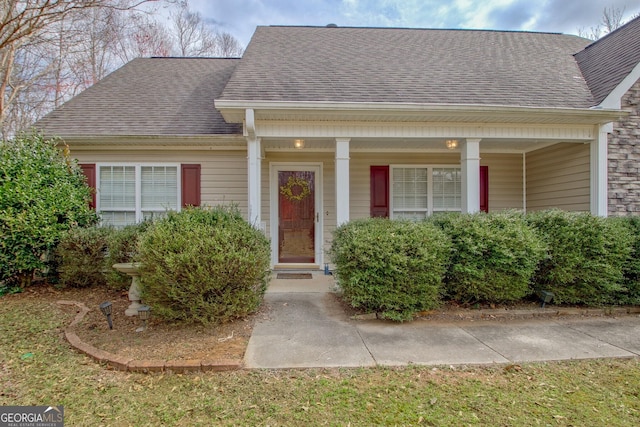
494,256
586,256
123,247
203,265
393,268
630,293
42,194
82,252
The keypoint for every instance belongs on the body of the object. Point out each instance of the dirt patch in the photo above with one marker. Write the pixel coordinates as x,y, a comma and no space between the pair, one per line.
160,341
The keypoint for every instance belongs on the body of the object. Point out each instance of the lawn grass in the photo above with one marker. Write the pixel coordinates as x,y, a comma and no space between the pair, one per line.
37,367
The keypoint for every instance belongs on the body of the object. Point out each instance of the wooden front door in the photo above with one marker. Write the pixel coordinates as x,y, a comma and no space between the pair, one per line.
296,216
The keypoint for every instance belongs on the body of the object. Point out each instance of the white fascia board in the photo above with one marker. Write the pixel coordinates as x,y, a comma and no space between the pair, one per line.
614,99
234,111
154,140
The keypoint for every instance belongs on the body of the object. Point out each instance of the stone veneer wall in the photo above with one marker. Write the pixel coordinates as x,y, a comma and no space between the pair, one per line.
624,158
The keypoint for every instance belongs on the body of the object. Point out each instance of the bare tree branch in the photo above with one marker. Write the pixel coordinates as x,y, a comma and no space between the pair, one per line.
612,18
28,22
193,36
228,46
50,50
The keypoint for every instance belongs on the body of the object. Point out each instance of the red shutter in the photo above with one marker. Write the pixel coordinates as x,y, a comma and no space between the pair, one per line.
89,171
190,185
484,188
379,191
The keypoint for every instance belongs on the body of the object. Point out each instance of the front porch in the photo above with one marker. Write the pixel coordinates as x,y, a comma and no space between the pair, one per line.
531,160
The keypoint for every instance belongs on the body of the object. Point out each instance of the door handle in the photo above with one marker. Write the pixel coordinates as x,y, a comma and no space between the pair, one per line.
317,216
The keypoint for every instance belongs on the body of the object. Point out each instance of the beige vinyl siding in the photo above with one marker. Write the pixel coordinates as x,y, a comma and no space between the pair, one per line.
223,176
505,181
505,176
558,177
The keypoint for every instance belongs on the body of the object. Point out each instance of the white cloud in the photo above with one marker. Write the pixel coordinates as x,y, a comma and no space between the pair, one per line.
240,17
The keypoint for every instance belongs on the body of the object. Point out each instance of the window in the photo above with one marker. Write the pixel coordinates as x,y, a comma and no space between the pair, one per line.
420,191
447,189
129,193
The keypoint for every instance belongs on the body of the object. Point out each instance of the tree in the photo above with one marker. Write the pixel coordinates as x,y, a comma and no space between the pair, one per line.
141,36
611,20
51,50
29,24
193,37
42,193
228,45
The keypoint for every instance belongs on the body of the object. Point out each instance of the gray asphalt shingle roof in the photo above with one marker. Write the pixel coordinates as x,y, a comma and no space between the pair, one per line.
175,96
411,66
151,96
606,62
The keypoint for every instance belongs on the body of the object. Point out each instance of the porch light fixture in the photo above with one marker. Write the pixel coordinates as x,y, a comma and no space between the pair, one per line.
105,308
144,312
451,144
298,143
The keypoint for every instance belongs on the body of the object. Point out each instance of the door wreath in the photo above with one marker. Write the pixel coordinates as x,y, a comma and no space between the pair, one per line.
295,189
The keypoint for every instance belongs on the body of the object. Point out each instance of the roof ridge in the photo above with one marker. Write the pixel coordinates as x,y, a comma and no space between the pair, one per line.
488,30
192,57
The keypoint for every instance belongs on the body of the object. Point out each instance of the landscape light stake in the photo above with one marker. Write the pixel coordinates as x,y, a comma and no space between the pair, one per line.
144,311
105,308
545,297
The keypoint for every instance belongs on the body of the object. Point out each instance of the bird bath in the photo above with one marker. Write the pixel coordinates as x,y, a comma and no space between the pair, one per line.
131,268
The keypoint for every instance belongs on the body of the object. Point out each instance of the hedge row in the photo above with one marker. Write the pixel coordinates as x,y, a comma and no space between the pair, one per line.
198,265
398,268
393,268
85,256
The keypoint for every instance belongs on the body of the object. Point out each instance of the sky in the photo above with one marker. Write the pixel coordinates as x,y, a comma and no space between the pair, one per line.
240,17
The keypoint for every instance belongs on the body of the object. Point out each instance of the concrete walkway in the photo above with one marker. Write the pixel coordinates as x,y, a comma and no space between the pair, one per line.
306,327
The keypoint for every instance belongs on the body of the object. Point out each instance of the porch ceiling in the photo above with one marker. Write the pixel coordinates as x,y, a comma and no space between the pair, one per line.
434,145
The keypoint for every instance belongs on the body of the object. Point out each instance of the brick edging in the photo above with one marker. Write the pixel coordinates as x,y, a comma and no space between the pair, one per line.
123,363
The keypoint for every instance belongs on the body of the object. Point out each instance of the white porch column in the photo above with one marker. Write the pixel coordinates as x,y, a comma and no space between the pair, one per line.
253,169
342,180
599,171
470,162
253,172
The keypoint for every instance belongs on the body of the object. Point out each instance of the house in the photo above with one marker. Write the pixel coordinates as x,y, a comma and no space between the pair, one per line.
315,126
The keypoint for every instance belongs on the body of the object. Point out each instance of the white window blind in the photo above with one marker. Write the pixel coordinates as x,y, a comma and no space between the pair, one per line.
159,189
419,191
117,195
410,192
130,193
447,189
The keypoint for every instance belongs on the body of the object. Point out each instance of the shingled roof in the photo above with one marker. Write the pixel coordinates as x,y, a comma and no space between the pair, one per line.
152,96
478,67
606,62
175,96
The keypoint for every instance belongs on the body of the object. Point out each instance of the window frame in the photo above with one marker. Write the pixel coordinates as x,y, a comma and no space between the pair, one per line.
429,167
138,184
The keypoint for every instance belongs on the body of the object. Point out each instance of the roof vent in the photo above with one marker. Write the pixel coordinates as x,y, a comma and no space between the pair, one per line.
332,26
